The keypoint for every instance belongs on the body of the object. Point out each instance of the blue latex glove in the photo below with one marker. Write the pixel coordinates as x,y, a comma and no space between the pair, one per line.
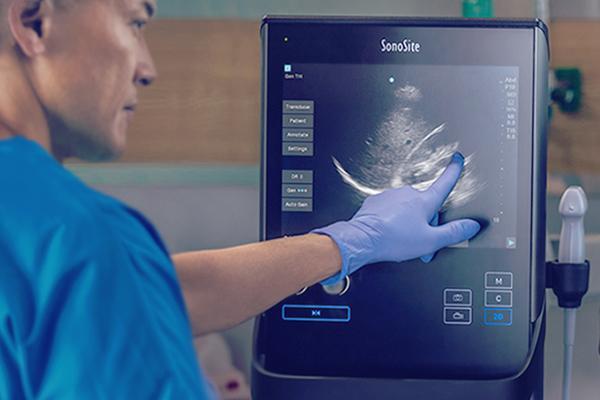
399,225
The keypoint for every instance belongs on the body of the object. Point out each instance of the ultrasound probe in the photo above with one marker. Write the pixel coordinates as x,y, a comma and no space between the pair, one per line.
572,209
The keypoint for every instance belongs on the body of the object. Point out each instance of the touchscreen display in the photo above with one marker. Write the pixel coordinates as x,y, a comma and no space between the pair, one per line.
354,130
355,107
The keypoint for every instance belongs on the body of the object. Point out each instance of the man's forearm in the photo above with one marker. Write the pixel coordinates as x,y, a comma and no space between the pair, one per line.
225,287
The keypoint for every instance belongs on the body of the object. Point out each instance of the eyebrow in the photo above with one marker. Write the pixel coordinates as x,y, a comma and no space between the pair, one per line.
150,8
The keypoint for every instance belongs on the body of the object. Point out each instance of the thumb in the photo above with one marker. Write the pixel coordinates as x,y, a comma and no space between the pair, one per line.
435,222
456,232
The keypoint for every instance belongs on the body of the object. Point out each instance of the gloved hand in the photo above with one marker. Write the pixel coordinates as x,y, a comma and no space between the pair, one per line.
399,225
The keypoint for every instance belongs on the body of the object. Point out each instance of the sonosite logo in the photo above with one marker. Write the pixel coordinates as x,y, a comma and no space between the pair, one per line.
404,46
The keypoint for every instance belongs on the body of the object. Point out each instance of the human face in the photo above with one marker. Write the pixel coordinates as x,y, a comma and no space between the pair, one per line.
95,58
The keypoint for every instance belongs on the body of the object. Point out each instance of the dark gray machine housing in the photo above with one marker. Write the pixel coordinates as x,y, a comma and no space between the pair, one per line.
393,333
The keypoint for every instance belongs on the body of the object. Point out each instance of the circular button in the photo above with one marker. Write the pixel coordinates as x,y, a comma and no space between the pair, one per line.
338,289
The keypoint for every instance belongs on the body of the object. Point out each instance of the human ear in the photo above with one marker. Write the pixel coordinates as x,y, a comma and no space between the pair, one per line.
29,22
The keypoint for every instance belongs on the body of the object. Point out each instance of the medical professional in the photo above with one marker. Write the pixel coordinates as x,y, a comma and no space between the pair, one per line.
91,304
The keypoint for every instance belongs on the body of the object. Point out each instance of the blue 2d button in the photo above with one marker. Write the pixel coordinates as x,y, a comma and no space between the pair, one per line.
315,313
498,317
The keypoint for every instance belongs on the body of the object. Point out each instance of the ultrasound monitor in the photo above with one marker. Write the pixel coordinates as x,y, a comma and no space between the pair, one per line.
356,106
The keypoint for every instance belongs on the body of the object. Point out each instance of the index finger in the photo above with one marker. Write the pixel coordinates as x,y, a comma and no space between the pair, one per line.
439,191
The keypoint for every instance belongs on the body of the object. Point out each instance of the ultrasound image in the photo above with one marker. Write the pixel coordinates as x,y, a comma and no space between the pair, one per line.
407,150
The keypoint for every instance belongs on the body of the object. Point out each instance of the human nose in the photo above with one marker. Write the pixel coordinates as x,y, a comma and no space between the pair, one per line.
145,72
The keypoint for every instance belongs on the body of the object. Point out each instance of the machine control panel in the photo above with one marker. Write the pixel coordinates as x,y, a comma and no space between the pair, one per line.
498,300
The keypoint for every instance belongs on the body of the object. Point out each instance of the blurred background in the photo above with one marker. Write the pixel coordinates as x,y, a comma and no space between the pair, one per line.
194,148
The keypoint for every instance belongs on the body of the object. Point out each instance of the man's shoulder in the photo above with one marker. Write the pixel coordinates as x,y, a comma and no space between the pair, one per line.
38,195
36,188
50,225
44,243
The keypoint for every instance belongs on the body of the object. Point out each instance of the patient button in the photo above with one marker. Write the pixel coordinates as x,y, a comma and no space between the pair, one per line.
298,121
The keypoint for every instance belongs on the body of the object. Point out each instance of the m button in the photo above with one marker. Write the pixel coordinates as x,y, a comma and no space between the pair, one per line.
499,280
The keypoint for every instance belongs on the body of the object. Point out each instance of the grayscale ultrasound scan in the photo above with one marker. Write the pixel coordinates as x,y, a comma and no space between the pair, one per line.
405,151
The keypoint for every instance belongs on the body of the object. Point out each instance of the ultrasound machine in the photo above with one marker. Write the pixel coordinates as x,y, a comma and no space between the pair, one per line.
353,106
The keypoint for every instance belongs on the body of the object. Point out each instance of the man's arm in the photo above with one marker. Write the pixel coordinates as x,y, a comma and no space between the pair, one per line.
225,287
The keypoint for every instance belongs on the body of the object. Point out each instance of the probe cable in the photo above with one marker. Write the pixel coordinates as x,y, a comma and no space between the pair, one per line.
569,276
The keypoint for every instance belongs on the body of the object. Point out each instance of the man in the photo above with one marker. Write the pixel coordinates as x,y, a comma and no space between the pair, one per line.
91,304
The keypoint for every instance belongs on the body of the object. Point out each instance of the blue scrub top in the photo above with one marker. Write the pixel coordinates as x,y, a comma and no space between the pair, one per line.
90,305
